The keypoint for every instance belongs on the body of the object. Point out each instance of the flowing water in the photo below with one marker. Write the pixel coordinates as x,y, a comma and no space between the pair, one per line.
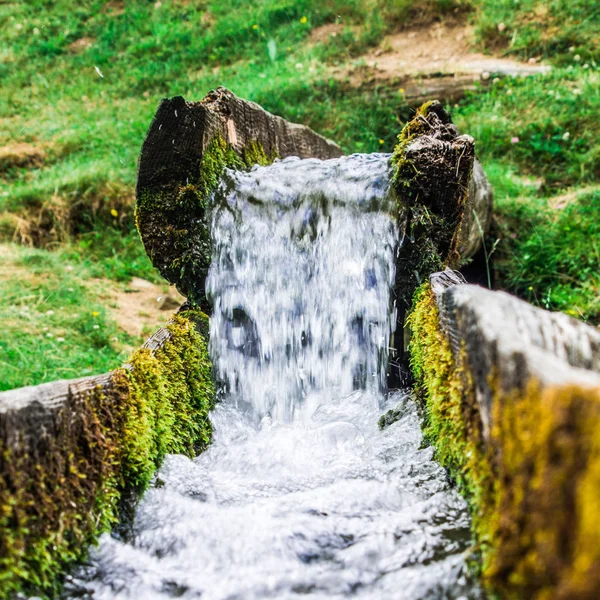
300,494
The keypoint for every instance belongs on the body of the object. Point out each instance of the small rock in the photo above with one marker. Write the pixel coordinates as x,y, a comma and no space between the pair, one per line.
167,302
390,417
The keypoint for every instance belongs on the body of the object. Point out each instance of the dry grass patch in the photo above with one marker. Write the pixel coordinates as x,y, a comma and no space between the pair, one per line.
21,154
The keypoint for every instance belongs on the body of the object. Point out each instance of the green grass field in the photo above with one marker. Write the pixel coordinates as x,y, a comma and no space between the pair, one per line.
80,82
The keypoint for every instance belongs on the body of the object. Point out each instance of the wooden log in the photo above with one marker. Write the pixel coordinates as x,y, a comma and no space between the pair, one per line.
447,86
189,144
512,395
185,151
514,342
476,216
446,205
30,414
69,449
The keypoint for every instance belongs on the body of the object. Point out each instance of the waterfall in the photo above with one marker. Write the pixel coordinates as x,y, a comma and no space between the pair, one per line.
300,281
300,493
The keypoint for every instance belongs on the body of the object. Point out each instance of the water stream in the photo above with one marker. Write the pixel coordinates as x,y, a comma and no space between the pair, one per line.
300,494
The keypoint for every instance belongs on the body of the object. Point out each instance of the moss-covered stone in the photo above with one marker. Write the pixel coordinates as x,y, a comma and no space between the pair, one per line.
174,216
59,494
390,417
533,486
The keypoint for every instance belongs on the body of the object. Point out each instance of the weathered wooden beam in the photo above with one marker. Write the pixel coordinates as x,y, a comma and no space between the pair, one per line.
512,396
508,339
69,449
445,205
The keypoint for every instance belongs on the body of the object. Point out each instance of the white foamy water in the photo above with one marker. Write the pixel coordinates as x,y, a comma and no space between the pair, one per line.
300,494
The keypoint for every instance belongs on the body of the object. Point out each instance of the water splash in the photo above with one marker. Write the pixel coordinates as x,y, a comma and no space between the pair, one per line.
300,494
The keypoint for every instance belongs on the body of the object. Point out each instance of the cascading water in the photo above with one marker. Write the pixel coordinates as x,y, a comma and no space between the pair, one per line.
301,277
300,494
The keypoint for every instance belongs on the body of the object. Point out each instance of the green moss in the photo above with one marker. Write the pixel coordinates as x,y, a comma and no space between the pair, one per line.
172,218
57,494
169,393
431,185
254,154
533,485
453,423
404,169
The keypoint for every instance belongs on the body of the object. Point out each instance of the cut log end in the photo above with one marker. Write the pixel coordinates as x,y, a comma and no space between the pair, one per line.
187,148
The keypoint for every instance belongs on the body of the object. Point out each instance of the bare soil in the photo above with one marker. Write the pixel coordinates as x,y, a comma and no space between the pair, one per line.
140,307
21,154
436,51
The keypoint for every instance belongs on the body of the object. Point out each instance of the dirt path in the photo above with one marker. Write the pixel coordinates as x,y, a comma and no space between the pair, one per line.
436,60
140,307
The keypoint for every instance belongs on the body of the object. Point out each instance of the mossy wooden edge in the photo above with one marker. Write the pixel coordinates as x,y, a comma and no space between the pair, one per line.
174,217
534,485
431,167
60,489
184,155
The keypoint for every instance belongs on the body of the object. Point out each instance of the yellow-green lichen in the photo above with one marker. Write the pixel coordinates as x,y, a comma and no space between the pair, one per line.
533,486
58,493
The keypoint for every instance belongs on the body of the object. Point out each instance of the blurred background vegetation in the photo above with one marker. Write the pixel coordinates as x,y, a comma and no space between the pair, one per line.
80,82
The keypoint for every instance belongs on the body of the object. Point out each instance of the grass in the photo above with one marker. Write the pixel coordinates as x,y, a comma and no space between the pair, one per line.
551,253
538,138
53,324
81,82
558,30
56,320
543,126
